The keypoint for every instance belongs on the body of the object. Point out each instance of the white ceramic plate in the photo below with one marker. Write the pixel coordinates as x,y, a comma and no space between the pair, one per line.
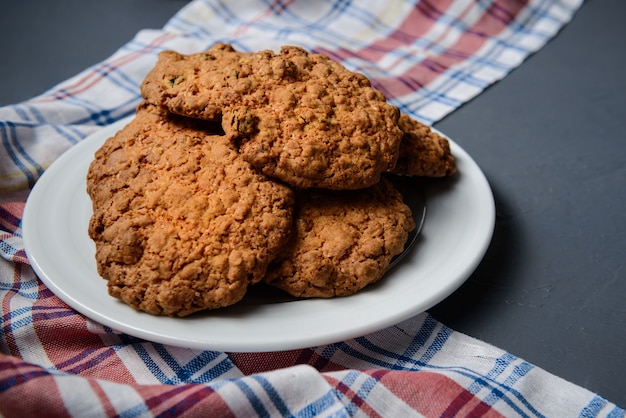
456,233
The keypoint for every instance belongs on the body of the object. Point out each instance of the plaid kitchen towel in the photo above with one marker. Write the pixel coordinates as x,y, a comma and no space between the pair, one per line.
428,57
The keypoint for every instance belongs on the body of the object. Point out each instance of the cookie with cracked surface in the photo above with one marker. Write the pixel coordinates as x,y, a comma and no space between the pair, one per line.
199,85
423,152
342,241
297,116
181,222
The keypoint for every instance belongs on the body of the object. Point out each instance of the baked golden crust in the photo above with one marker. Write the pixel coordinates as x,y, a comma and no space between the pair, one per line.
297,116
342,241
423,152
181,223
194,199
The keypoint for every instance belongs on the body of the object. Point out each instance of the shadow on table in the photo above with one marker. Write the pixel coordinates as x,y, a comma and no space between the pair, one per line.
480,296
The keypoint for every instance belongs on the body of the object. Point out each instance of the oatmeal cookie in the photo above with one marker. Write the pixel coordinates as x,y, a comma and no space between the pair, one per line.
297,116
342,241
423,152
181,222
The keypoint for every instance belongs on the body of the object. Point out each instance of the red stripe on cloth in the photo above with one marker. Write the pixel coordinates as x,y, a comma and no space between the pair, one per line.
63,333
322,364
19,382
29,390
34,311
353,397
11,215
93,77
462,405
5,328
7,303
20,256
72,348
106,404
252,363
276,8
417,23
10,218
495,19
184,401
433,394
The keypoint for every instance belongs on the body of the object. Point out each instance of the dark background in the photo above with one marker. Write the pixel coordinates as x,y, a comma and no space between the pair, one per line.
550,138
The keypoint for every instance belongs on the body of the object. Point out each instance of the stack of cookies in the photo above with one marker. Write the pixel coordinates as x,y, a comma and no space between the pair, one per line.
245,167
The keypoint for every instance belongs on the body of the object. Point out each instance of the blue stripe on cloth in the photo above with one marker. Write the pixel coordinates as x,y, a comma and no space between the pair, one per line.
70,132
46,313
617,412
593,408
8,250
273,395
443,333
85,360
252,397
365,387
182,374
352,404
153,353
15,320
519,371
24,317
463,75
395,361
103,117
497,393
503,391
125,84
19,109
143,354
140,47
34,117
180,24
429,327
123,80
140,409
453,79
222,367
17,153
106,116
23,378
63,130
318,31
321,405
26,288
96,115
